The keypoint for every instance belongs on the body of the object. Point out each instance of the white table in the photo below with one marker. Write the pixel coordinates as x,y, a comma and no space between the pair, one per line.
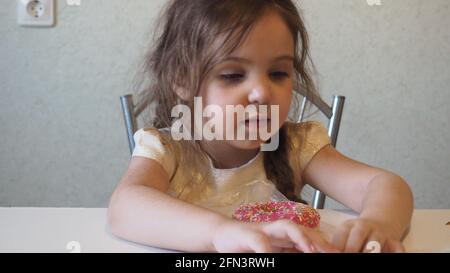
85,230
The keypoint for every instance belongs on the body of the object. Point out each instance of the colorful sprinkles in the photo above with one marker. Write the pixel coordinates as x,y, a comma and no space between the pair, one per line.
276,210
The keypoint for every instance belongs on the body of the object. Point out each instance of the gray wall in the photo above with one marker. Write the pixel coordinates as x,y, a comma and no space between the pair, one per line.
62,136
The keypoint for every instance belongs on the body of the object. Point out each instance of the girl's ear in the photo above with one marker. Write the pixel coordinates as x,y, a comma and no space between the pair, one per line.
181,92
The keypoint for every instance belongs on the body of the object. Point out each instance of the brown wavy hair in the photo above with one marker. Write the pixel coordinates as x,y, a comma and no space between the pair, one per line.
183,53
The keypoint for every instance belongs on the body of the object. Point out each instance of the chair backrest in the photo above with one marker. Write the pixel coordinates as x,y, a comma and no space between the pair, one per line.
333,113
130,113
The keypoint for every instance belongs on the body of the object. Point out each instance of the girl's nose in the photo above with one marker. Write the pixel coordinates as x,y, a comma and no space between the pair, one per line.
260,93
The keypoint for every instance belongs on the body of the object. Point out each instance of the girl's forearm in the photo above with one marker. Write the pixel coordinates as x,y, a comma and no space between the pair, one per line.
389,201
148,216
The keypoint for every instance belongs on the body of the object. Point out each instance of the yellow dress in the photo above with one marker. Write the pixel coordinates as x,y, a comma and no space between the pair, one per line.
225,189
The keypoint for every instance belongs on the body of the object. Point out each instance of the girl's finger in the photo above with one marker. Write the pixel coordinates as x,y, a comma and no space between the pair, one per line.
320,243
340,237
259,243
316,242
283,246
356,239
301,240
375,243
290,250
285,229
393,246
285,243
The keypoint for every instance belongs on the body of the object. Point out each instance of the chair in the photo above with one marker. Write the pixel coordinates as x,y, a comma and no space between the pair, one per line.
333,114
130,113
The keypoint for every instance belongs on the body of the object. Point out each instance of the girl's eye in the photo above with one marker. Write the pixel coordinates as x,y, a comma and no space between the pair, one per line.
279,74
232,77
236,77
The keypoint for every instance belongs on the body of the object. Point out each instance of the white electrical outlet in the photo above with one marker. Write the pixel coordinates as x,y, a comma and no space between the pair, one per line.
35,12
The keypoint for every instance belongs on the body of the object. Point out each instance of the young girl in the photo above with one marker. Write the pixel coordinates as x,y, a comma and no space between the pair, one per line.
177,194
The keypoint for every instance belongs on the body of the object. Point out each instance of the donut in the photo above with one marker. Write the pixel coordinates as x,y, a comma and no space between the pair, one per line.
271,211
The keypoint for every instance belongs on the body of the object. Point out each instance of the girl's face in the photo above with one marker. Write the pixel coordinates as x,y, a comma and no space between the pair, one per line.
259,72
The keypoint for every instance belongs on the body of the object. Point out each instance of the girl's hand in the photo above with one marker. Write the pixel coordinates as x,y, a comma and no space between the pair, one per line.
278,236
361,235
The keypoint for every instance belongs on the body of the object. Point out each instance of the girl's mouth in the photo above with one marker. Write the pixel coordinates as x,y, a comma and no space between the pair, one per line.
257,122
